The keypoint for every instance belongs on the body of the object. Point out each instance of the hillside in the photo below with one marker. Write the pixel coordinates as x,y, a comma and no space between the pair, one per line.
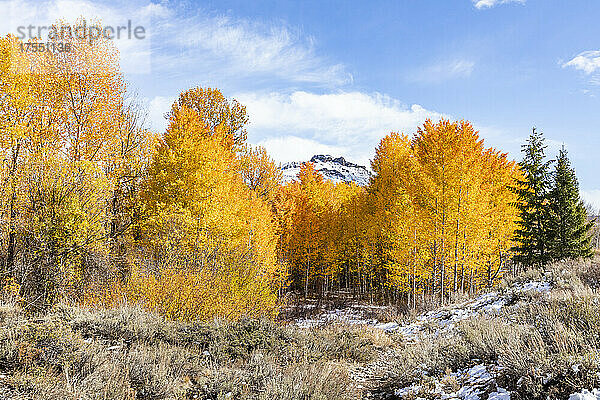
333,169
535,337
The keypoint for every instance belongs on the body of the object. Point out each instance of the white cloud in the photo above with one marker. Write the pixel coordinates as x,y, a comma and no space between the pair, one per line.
296,126
587,61
157,108
156,10
242,47
480,4
215,47
135,53
347,123
294,148
592,197
459,68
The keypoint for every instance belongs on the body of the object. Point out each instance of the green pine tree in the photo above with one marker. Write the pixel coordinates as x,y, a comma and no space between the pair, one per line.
531,237
569,229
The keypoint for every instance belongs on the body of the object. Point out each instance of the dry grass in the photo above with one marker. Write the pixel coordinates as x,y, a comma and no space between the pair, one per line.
549,347
128,353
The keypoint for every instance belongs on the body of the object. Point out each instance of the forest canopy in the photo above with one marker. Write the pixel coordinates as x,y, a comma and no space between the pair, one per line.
195,223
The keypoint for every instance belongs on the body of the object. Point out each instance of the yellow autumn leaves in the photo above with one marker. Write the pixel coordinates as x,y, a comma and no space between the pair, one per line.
61,131
98,209
203,221
195,223
437,218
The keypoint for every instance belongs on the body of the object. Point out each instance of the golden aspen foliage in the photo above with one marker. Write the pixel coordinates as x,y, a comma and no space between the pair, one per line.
259,172
392,214
196,224
305,228
319,231
211,239
437,218
459,214
65,154
215,110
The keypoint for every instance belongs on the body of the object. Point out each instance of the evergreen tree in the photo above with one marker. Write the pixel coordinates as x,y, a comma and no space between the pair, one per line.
569,229
531,235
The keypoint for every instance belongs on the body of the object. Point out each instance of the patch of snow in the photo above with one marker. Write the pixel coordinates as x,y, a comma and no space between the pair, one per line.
445,319
437,321
501,394
403,392
388,326
474,383
535,286
586,395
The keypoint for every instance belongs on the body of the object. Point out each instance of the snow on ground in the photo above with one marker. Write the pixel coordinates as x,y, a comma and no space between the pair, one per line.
467,384
586,395
440,321
445,319
475,383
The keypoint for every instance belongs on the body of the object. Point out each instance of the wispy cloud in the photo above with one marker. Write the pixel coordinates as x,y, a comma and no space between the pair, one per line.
257,60
443,71
588,62
243,47
183,42
480,4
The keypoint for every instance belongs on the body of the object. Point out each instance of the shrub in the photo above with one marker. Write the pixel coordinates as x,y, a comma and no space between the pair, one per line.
186,295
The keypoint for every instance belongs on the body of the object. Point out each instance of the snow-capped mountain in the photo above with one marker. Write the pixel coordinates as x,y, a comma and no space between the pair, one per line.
334,169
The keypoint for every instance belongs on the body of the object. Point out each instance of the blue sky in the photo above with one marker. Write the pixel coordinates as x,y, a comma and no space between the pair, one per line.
336,76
